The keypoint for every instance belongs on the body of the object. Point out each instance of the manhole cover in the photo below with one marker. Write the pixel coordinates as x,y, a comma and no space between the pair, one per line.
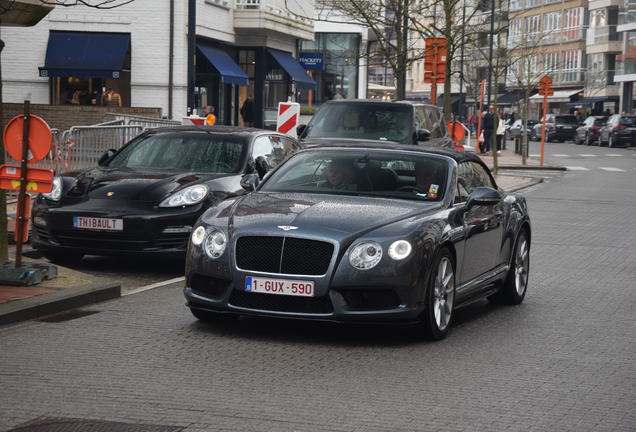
81,425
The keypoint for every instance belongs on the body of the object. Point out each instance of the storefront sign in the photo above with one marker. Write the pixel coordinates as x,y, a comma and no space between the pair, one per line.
311,61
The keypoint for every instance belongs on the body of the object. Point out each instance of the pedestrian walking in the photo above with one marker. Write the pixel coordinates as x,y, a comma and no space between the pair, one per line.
208,113
472,121
501,132
488,125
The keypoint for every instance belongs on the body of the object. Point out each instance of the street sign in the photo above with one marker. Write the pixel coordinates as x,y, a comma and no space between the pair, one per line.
38,180
545,86
435,53
40,138
287,121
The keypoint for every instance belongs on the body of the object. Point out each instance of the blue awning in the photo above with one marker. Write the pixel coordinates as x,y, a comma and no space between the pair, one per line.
230,72
294,69
85,55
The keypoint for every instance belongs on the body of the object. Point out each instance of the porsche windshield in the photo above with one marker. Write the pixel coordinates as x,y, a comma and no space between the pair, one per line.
379,121
185,152
375,173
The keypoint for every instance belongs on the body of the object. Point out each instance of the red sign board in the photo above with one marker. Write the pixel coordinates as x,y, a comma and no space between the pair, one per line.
38,180
39,138
545,86
435,52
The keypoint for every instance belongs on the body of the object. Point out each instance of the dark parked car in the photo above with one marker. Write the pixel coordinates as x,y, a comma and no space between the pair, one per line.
402,122
558,127
347,233
145,198
620,130
589,131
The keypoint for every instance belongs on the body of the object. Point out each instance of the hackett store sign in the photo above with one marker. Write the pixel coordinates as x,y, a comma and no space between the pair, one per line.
311,61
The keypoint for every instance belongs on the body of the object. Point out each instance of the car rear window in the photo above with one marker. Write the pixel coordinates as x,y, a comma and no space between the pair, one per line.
600,122
567,119
628,121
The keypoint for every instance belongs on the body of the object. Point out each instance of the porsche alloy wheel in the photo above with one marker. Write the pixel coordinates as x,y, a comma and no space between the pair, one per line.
440,300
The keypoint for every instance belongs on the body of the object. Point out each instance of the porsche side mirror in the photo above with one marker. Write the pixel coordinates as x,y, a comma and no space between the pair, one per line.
423,134
261,166
249,182
300,130
483,196
106,157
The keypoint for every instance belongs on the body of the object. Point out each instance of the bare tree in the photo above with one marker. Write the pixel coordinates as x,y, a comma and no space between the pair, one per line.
7,9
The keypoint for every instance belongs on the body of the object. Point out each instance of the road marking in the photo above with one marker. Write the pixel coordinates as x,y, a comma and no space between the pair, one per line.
154,285
576,168
612,169
537,155
613,155
559,155
587,155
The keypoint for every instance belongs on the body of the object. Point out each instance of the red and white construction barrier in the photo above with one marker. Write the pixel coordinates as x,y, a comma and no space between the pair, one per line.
287,122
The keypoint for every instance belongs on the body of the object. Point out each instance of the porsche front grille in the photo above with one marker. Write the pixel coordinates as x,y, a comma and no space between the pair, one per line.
283,255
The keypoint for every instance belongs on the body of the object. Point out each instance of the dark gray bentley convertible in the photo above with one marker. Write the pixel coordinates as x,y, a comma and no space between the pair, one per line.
349,233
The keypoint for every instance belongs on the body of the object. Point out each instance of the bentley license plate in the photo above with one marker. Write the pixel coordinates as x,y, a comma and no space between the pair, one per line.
98,224
279,286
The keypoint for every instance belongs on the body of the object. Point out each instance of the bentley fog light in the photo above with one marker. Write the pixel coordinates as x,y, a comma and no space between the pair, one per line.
215,244
366,255
400,249
56,192
198,235
188,196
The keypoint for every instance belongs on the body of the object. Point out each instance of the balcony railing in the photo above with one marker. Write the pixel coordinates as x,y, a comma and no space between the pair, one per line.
626,67
605,34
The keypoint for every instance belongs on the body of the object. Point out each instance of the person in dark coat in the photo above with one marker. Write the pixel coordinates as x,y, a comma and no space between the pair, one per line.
247,111
488,126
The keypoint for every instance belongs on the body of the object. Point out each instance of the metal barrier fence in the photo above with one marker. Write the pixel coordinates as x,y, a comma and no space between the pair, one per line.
84,145
146,122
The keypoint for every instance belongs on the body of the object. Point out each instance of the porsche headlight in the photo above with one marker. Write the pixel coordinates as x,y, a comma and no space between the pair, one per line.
198,235
400,249
215,244
366,255
56,192
188,196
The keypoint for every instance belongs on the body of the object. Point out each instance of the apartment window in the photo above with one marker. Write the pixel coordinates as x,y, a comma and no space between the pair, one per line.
598,17
532,25
516,5
533,3
552,27
552,1
514,32
550,63
573,25
571,66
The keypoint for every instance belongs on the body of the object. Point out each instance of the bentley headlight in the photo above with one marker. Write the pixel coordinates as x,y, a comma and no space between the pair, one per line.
400,249
198,235
366,255
56,192
215,244
188,196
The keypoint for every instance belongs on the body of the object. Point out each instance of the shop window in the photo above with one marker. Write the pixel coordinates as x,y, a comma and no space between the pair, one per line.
114,92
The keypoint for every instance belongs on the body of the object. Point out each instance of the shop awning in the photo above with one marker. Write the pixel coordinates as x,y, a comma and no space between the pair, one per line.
587,102
454,99
294,69
85,55
559,96
230,72
510,98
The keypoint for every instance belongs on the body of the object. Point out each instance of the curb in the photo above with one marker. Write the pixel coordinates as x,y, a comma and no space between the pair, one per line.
63,300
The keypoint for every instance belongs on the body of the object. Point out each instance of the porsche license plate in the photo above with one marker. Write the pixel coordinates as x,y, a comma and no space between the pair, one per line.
98,224
279,286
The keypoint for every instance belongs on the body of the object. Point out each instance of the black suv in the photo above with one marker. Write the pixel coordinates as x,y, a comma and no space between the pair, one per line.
558,127
403,122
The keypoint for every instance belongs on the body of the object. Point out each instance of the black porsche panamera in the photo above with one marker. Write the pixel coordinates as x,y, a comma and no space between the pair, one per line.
353,233
145,198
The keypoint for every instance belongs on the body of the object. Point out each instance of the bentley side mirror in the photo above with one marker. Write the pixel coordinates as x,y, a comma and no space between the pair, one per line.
106,157
249,182
300,130
483,196
423,134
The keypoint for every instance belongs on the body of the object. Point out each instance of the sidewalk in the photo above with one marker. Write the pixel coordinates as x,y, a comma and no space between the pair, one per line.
70,289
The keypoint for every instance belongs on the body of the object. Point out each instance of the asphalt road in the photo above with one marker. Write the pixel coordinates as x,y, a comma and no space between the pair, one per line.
565,360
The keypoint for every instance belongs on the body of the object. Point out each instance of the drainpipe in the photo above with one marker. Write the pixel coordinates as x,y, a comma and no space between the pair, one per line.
192,42
171,62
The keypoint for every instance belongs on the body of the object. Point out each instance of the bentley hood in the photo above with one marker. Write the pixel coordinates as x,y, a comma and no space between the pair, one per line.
334,216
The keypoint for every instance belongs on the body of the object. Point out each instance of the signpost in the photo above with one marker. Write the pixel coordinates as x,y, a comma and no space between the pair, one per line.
28,139
435,64
545,89
480,115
